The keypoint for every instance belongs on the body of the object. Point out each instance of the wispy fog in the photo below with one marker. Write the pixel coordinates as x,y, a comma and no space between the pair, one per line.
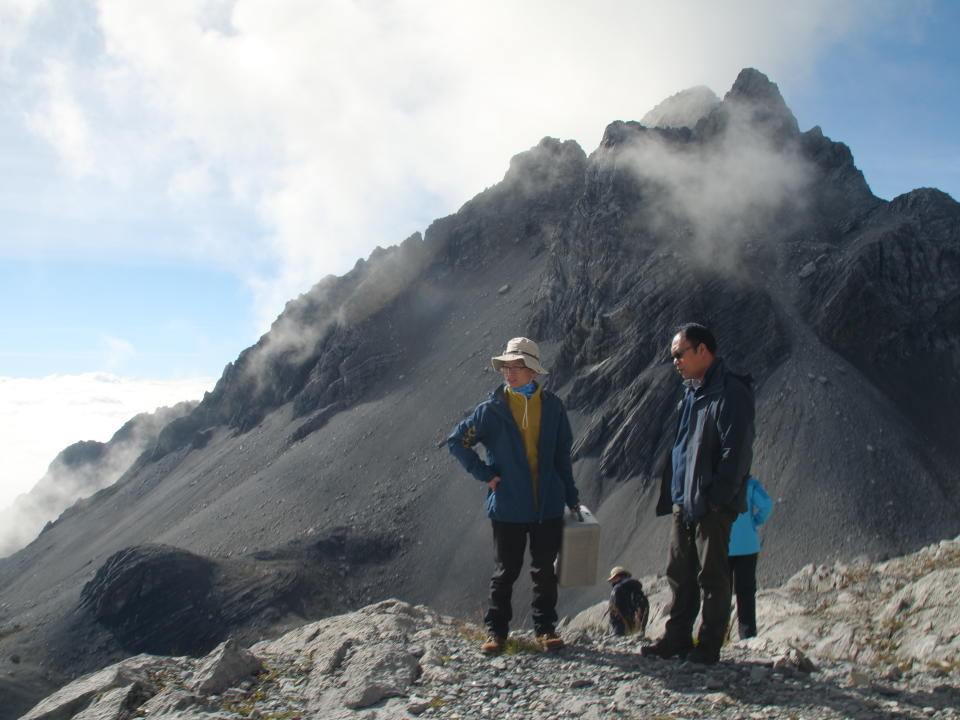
39,417
339,127
78,472
370,286
725,191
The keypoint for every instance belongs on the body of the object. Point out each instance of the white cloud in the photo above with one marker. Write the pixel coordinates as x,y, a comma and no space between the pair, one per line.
346,124
61,121
117,352
39,417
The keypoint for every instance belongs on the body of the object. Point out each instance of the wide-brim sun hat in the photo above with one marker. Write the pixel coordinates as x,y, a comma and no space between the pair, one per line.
618,571
520,348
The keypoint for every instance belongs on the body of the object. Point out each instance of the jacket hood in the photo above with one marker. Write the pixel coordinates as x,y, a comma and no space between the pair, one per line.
713,380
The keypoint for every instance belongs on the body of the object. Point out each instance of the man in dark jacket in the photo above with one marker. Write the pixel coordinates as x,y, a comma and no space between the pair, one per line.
529,476
704,484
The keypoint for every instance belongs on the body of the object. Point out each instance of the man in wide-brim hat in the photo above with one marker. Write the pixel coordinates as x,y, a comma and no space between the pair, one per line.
529,477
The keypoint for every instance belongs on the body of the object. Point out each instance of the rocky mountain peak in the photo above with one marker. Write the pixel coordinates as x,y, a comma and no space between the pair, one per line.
81,453
752,85
549,162
754,103
841,305
927,203
685,109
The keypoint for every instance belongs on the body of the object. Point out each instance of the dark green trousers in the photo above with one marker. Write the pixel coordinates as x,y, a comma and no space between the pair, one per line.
698,569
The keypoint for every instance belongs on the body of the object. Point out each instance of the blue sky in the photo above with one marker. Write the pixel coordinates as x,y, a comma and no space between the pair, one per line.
172,173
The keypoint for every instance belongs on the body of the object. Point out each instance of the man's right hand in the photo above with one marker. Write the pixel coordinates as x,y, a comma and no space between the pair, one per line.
492,484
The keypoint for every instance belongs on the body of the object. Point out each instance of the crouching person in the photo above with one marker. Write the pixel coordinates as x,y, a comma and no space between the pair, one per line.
629,608
529,477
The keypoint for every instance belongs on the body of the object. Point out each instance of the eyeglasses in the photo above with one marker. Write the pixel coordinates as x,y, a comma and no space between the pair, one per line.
678,355
507,368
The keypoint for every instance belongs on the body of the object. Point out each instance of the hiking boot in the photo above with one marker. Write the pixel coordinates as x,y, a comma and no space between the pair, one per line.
666,648
747,631
493,645
704,655
550,641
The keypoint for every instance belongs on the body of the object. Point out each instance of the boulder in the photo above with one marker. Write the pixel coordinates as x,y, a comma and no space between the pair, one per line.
227,665
132,680
116,704
375,672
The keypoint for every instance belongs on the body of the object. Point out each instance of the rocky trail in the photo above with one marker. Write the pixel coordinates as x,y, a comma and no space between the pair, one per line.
853,640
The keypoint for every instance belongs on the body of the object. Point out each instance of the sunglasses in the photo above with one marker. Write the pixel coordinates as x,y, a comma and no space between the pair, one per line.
678,355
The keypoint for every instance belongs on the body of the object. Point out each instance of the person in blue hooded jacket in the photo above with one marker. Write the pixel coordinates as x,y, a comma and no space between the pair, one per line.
744,550
529,477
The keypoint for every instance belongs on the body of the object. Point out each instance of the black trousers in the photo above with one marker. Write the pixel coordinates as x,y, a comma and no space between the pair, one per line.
744,571
697,566
509,545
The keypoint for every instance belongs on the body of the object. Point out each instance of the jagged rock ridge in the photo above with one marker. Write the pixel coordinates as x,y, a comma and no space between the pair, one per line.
337,416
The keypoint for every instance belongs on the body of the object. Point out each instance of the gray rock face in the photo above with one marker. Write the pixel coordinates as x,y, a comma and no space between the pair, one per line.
116,689
898,282
116,703
375,673
170,701
903,612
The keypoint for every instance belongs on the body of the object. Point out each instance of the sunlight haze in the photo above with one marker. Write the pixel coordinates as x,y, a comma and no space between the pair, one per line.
175,172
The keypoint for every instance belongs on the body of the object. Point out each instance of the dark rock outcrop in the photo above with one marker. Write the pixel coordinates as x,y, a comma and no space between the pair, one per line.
167,601
156,599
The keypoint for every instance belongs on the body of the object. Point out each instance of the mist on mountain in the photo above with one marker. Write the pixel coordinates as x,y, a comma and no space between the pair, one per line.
318,460
79,471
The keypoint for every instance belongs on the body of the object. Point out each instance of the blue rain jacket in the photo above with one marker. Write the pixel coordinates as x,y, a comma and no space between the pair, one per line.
744,538
493,425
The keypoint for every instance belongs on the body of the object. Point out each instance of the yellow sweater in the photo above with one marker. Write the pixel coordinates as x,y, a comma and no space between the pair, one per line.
526,413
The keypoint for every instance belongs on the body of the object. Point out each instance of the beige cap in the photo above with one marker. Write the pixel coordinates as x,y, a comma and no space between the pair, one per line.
520,348
618,571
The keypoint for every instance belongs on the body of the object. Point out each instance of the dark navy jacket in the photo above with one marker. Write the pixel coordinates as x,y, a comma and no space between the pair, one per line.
720,449
493,425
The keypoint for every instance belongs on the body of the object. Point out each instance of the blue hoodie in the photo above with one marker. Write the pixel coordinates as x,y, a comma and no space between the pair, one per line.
744,539
492,424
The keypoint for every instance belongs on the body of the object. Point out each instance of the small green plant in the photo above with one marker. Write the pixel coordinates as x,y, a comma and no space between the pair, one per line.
240,708
268,675
516,645
471,632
